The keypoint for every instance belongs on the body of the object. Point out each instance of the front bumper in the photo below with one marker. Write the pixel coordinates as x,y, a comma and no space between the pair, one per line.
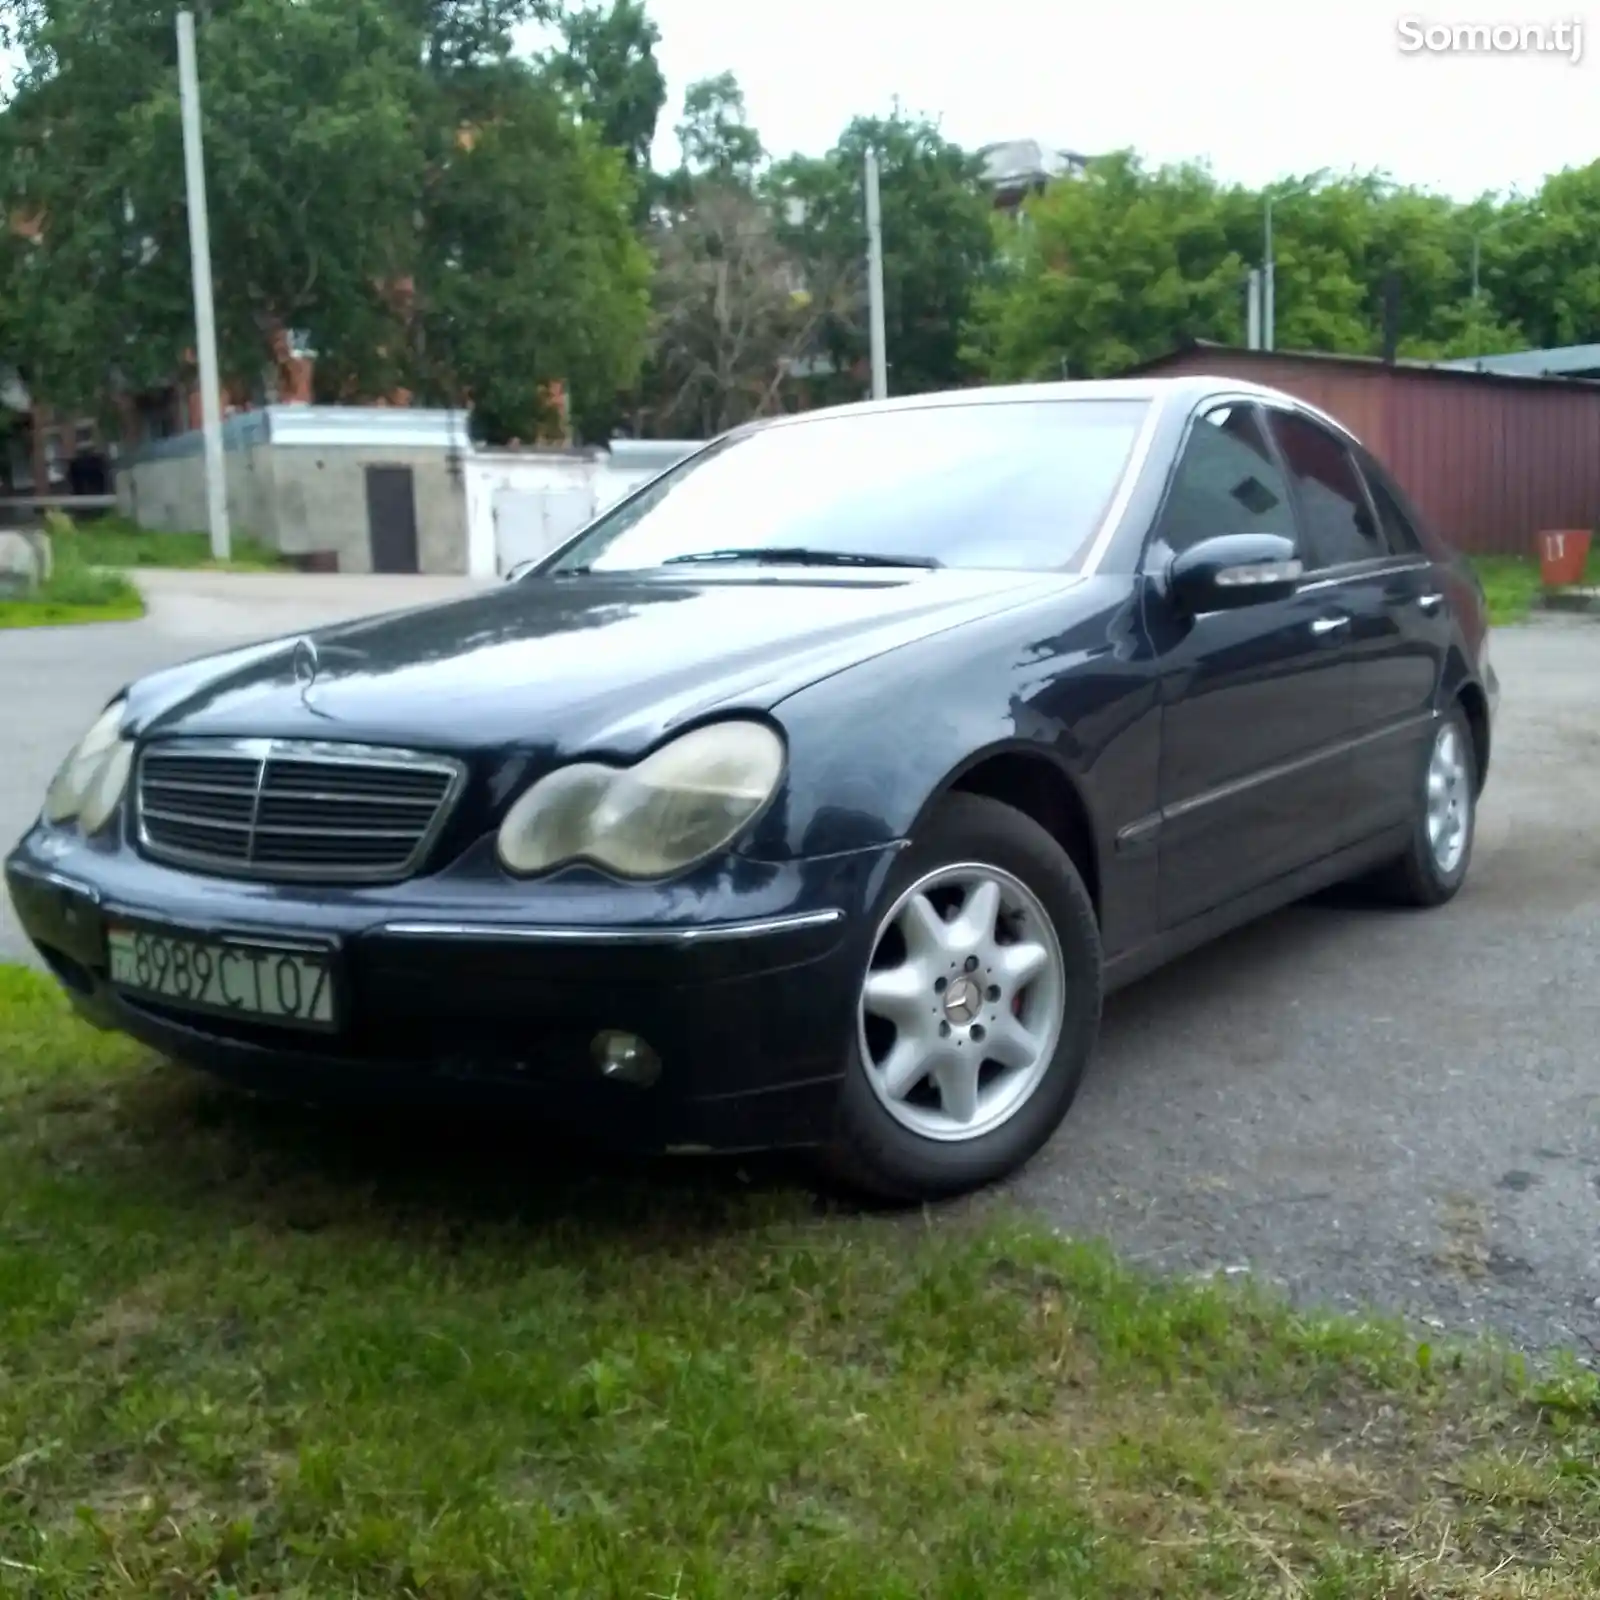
465,987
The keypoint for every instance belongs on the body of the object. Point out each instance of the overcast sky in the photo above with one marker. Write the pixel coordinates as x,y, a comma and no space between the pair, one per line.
1259,89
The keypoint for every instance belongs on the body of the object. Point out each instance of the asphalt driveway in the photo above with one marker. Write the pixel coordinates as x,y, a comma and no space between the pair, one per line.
55,681
1370,1108
1385,1108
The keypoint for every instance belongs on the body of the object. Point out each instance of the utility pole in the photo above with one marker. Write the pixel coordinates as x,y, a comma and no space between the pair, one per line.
1252,316
1269,297
880,359
205,323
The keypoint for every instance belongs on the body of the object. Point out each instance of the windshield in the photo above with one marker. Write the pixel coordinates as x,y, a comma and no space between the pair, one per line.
1019,485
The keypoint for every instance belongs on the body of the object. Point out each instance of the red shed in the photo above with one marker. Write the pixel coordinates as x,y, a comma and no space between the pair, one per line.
1490,459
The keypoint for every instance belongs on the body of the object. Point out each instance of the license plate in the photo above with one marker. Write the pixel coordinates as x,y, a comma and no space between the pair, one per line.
271,983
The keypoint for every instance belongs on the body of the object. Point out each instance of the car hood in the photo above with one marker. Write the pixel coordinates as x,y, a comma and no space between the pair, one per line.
591,663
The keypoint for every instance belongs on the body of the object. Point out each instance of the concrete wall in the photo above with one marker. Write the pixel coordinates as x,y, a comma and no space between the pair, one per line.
297,480
165,487
320,504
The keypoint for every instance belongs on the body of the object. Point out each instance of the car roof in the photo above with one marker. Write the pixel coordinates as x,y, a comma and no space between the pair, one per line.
1187,391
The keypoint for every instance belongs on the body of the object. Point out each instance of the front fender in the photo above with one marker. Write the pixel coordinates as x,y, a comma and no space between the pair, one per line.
872,747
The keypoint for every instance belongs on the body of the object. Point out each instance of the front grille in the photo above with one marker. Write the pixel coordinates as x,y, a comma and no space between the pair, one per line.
293,810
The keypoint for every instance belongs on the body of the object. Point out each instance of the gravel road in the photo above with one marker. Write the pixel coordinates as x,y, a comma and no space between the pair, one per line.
1367,1108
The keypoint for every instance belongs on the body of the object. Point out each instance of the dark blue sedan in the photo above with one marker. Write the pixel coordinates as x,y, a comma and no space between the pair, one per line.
813,796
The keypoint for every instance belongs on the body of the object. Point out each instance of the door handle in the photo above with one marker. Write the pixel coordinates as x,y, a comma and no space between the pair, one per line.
1324,626
1429,602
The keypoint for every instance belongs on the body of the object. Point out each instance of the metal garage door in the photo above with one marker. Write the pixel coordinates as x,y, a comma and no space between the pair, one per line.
529,523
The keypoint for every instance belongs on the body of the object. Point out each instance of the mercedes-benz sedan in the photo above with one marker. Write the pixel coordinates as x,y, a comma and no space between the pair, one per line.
814,796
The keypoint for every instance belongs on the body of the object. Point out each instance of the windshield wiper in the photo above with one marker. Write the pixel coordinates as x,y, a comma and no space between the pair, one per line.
801,556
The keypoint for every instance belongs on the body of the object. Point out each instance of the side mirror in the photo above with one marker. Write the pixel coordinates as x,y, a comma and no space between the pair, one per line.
1237,569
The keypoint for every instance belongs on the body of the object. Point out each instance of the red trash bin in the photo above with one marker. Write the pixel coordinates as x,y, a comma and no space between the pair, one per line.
1563,557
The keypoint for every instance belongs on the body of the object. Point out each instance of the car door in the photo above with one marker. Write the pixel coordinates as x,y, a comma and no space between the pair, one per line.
1256,701
1399,671
1369,557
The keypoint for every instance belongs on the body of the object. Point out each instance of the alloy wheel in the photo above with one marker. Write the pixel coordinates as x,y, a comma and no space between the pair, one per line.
961,1009
1449,804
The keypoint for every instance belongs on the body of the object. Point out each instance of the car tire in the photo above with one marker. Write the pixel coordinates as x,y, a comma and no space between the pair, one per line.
906,1149
1436,861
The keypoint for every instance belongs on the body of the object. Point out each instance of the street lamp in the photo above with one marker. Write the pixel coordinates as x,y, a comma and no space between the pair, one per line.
1477,291
1477,240
1269,263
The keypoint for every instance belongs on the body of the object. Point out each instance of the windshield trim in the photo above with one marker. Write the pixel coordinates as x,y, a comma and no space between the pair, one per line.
1110,522
1132,473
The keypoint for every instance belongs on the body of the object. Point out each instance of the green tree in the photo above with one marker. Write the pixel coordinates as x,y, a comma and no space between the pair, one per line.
348,202
457,34
311,164
1339,241
530,271
608,64
1324,298
938,245
1100,272
1542,262
714,133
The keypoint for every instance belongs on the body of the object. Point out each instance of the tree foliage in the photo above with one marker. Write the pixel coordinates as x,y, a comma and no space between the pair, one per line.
390,181
1541,262
608,64
714,133
730,308
732,313
1117,267
384,179
528,270
938,245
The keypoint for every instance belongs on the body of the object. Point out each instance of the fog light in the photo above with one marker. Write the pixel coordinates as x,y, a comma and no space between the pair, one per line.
625,1058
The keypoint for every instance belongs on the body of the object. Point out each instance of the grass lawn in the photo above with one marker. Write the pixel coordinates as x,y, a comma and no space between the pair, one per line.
1513,585
76,592
116,542
250,1352
90,583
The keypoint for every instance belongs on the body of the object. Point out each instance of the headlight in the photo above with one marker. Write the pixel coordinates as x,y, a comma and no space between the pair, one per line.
89,783
104,793
675,808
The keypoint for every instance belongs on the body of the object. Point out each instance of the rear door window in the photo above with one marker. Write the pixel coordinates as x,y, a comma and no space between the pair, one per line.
1336,518
1400,534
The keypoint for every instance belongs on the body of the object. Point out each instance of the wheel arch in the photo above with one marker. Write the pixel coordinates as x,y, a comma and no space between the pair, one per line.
1034,781
1474,704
